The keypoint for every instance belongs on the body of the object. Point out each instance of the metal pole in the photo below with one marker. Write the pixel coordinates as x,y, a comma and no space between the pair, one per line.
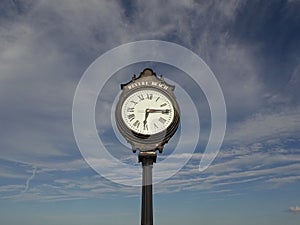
147,159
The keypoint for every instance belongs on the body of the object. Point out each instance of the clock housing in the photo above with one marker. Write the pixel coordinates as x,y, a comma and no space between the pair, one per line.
147,113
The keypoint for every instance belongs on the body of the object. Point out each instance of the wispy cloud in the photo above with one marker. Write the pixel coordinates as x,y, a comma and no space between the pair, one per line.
29,179
294,209
265,125
46,48
253,165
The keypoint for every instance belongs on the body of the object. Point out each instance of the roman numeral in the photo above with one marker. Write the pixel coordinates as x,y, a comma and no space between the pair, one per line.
131,117
141,97
146,127
155,126
134,102
163,105
157,99
162,120
166,111
137,123
149,96
130,109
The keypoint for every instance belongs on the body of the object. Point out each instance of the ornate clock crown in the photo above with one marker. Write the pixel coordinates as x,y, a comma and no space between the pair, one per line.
147,72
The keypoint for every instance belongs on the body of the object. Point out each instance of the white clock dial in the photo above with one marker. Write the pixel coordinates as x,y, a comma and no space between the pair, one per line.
147,112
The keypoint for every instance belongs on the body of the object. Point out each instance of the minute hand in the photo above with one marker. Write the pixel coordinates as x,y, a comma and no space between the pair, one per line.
163,111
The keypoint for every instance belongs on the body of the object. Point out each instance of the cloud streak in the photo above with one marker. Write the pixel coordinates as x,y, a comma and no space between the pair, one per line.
264,126
27,186
46,48
294,209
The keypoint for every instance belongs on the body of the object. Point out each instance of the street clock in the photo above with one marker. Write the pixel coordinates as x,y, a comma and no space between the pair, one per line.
147,113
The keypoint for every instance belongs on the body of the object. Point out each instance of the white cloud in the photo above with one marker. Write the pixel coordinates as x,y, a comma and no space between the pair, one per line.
45,51
243,166
40,68
294,209
240,166
264,126
29,179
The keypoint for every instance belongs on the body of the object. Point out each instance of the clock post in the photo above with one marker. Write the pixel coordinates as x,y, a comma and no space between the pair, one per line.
147,115
147,159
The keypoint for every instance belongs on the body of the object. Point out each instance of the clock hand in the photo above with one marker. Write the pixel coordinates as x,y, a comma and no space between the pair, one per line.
163,111
146,116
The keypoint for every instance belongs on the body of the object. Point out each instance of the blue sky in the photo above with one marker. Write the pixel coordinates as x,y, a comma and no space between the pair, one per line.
251,46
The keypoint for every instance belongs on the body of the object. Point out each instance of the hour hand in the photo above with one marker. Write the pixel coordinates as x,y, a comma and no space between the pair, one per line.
146,116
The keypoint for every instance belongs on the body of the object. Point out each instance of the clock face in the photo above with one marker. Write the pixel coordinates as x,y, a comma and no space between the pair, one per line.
147,112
